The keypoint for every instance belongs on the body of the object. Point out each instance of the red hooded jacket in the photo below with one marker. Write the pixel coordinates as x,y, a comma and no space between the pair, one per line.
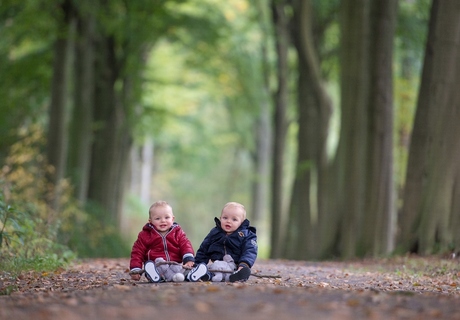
150,244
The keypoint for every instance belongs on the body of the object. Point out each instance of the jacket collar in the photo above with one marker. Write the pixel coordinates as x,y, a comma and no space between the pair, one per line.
148,226
244,225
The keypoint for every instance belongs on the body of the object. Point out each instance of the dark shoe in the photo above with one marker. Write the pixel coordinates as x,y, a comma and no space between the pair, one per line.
207,277
151,272
197,272
241,275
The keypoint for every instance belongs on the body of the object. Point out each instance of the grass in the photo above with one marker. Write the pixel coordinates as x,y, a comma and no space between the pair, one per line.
13,267
407,266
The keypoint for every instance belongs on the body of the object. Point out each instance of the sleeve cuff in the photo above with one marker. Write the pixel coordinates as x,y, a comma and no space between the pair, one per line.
188,257
135,270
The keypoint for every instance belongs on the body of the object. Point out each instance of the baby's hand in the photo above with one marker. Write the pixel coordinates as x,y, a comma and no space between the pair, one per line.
136,277
189,264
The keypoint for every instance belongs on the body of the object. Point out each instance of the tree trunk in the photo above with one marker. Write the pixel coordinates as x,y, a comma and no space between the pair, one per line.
353,131
111,138
263,129
57,142
417,161
280,128
379,218
314,110
262,162
81,134
430,210
455,213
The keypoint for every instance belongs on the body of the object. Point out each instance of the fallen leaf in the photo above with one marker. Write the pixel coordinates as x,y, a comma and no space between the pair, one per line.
213,289
202,307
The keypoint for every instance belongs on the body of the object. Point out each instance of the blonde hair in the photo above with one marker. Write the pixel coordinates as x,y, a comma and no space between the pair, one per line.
158,204
236,205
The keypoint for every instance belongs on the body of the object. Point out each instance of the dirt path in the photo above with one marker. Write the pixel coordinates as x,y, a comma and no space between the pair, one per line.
102,289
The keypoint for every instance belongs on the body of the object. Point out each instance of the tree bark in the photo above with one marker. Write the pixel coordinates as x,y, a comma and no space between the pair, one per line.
112,138
455,213
380,216
314,110
57,136
430,210
351,154
81,134
263,128
262,162
280,21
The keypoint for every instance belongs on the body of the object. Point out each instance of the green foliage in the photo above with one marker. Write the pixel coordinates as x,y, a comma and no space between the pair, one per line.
90,235
28,229
198,146
13,267
201,92
201,101
430,267
25,58
24,245
409,48
326,32
411,34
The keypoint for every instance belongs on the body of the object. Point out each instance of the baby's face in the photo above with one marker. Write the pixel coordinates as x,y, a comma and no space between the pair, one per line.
162,218
231,218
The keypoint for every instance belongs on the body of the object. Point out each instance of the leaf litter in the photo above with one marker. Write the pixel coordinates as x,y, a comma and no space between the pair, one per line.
401,288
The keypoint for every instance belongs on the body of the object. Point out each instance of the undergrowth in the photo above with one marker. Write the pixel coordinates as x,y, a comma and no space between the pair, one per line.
35,233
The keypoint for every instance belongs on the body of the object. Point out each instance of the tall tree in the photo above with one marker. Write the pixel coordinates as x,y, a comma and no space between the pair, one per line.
263,125
314,111
282,39
430,214
113,41
379,220
351,153
57,144
81,129
365,152
112,136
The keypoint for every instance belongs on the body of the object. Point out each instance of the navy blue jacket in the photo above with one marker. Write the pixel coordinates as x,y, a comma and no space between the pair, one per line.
241,245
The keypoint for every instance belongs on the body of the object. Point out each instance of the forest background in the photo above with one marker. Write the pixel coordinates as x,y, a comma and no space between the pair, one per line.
334,122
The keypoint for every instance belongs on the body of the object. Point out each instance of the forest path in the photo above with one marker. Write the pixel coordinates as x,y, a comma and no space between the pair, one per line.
369,289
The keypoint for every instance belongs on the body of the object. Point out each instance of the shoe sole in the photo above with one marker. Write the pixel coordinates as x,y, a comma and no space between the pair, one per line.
196,274
241,275
151,272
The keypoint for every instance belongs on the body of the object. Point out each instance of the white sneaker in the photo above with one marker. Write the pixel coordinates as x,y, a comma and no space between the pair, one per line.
151,272
197,272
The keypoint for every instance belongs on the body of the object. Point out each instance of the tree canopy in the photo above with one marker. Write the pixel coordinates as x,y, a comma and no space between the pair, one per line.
301,110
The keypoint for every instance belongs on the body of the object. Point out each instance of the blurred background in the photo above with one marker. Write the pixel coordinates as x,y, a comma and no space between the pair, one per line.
301,110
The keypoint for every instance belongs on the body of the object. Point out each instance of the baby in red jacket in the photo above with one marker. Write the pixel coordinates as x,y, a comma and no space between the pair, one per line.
163,238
